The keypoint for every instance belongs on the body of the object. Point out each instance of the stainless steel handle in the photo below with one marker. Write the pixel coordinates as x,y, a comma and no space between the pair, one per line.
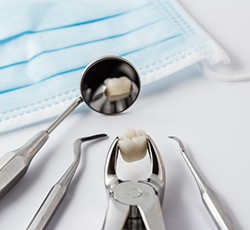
65,114
58,191
209,198
13,165
48,208
216,210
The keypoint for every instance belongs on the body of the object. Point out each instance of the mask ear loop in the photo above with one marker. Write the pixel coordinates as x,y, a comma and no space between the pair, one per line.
221,76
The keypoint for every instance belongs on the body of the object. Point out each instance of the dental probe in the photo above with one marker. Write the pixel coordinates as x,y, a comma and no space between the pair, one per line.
211,201
59,190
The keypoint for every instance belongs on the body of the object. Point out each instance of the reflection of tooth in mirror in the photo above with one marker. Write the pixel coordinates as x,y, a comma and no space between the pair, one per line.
100,101
117,88
101,87
133,145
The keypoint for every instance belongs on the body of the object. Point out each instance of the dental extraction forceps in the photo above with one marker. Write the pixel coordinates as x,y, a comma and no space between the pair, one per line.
134,205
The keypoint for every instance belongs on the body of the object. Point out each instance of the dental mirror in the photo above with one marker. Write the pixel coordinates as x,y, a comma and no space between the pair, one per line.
109,85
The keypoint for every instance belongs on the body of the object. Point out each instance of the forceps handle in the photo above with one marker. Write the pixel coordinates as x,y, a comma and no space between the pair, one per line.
48,208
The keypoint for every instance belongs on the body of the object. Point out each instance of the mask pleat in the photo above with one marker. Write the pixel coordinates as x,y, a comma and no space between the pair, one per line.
44,49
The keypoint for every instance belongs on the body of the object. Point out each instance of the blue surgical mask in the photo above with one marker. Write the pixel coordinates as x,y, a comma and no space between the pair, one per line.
45,45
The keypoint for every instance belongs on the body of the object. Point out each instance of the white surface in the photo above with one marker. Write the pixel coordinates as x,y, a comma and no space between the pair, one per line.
210,117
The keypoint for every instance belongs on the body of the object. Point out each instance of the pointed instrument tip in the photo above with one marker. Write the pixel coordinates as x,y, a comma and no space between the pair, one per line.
89,138
179,142
79,141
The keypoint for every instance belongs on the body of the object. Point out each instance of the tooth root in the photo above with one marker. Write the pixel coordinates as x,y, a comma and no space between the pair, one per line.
117,88
133,145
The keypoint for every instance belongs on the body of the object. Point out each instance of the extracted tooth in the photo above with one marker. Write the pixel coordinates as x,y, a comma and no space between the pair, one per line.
133,145
117,88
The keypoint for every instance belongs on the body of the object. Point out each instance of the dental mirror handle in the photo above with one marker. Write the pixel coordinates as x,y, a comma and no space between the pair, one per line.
209,198
65,114
14,164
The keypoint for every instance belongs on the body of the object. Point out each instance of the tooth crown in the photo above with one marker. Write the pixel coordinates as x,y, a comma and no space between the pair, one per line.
133,145
117,88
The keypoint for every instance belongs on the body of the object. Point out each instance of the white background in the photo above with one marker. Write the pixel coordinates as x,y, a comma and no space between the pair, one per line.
211,117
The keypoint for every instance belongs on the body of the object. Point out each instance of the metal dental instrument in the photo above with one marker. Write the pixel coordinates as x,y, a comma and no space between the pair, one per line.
13,165
134,204
59,190
208,196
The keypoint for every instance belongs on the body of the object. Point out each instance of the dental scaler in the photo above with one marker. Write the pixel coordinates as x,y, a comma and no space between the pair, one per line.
210,199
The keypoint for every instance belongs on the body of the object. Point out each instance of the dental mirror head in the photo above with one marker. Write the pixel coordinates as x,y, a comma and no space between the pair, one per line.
110,85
